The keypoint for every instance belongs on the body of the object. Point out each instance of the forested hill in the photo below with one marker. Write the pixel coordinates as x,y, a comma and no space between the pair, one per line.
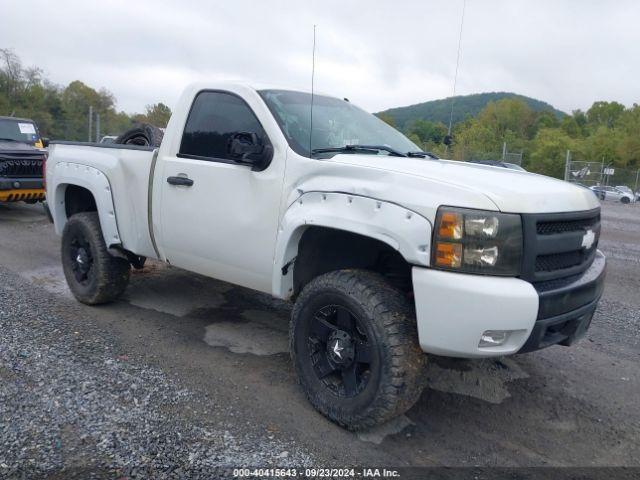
463,107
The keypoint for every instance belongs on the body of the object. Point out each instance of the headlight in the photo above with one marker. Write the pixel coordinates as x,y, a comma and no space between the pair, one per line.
477,241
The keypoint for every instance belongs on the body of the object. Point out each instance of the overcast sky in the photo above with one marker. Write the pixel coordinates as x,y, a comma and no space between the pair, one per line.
377,53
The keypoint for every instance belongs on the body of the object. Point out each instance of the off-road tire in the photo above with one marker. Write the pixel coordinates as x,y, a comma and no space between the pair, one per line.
110,275
398,378
143,134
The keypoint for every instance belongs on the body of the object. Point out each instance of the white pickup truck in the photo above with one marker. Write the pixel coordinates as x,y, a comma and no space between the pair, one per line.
387,251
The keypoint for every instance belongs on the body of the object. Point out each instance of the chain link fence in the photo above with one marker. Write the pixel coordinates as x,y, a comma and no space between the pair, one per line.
600,174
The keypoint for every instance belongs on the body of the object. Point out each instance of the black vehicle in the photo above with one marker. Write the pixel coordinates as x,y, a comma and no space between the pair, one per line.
22,157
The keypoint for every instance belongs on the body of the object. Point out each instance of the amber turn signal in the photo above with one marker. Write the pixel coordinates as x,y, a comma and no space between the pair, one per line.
448,254
450,227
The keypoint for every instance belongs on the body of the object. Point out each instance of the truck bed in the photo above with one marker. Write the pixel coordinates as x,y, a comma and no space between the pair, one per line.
117,146
127,168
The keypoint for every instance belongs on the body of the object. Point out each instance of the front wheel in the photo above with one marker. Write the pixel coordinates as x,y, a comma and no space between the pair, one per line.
94,275
625,200
355,348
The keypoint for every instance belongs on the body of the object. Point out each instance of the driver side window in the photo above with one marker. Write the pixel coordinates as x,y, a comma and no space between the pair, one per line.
213,119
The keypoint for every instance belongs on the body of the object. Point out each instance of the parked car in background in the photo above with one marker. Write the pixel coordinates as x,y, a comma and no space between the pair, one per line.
499,163
22,157
108,139
615,194
597,190
626,189
598,194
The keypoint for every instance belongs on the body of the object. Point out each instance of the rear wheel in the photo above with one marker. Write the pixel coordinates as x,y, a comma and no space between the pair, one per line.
355,348
94,275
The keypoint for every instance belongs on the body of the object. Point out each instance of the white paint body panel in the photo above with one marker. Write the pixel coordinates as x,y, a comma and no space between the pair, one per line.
402,229
454,310
243,226
67,173
125,172
225,225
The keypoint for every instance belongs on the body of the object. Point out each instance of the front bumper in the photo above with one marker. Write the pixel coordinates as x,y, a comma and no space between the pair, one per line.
566,309
454,310
20,189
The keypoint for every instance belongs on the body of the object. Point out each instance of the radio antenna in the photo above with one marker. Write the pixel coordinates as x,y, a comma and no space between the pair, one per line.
455,77
313,72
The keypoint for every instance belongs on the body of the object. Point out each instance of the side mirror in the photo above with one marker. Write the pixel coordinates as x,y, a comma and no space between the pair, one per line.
247,148
45,142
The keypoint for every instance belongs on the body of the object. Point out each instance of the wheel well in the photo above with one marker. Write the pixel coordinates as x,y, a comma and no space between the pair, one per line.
323,250
78,199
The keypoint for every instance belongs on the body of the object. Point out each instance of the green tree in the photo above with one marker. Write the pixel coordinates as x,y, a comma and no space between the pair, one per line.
602,145
157,114
428,132
388,119
604,113
628,148
548,152
62,112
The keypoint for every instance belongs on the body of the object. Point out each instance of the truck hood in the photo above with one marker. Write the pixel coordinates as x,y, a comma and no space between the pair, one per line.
510,190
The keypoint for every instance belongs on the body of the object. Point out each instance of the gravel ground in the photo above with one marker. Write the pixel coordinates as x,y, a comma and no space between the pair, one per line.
185,375
69,398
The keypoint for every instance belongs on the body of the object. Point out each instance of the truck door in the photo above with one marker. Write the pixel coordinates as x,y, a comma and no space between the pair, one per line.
221,219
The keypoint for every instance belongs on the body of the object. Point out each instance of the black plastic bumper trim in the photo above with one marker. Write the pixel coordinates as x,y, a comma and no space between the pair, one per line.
568,297
8,183
565,312
564,329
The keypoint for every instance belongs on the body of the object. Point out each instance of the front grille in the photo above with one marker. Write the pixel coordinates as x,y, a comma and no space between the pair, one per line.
558,245
562,226
558,261
17,166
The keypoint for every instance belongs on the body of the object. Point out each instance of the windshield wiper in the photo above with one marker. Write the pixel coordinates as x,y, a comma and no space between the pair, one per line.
360,149
9,140
423,155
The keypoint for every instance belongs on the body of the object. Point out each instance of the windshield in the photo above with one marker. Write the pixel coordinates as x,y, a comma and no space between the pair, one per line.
18,130
336,123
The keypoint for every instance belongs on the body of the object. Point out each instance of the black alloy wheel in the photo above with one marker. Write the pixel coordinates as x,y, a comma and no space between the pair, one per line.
93,274
81,258
354,345
340,350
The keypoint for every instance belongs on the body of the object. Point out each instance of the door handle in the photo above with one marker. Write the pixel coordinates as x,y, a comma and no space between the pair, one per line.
182,181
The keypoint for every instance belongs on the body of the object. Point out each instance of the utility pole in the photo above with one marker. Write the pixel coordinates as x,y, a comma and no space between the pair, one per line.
504,151
637,178
567,166
90,118
97,128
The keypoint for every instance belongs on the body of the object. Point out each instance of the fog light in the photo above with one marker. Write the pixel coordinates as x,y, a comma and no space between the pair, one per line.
493,338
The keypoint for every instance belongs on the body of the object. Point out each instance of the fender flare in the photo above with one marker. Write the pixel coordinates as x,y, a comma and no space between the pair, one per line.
94,180
404,230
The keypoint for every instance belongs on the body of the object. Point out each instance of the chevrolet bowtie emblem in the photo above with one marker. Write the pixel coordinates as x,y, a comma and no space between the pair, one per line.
588,239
